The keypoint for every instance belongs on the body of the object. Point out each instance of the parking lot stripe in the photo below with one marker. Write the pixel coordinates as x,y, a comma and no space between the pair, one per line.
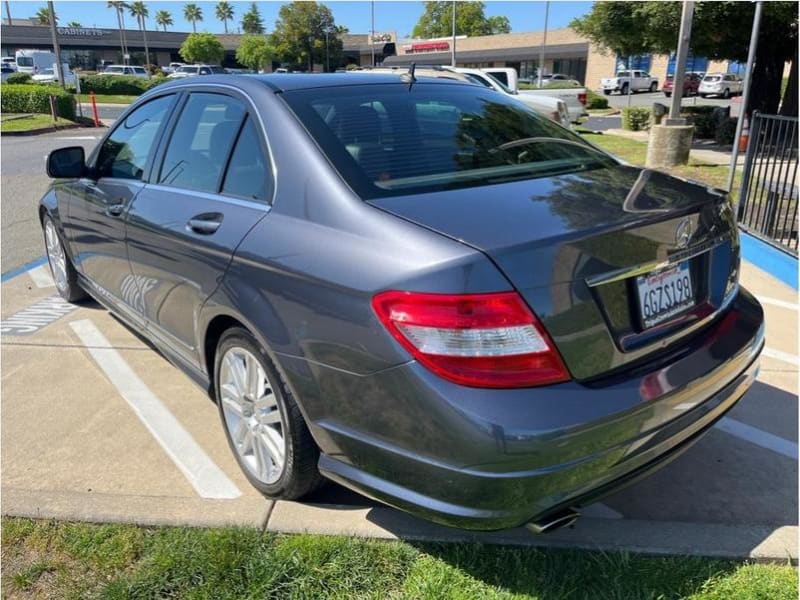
778,303
41,276
783,356
205,476
23,269
758,437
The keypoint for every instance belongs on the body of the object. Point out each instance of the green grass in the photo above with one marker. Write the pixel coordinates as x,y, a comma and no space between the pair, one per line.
68,560
108,98
635,152
33,122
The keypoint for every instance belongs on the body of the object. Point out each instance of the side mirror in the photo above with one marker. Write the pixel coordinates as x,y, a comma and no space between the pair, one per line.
66,163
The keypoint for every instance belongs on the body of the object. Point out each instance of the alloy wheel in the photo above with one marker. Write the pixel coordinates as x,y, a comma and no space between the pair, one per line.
55,255
252,416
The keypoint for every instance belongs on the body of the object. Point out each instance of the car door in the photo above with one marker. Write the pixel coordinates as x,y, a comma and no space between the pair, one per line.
213,185
117,172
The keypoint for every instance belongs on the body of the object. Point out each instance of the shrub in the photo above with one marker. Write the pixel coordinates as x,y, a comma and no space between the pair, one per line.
115,84
18,78
31,98
702,117
351,67
595,101
725,133
636,118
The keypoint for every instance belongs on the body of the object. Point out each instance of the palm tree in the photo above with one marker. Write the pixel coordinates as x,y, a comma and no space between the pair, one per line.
43,16
224,12
163,18
120,7
193,14
74,24
139,10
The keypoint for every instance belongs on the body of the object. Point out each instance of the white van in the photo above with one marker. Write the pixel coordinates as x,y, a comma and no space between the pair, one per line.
33,61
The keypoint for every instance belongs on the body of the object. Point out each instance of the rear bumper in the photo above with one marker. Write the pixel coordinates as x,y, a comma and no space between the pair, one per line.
480,459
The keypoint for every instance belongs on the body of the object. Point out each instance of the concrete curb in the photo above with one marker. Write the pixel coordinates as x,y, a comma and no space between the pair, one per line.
753,542
42,130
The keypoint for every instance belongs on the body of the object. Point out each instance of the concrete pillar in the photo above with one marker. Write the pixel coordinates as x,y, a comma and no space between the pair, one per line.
669,146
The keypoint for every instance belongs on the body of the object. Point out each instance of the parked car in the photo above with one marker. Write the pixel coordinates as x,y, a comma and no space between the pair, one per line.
195,70
415,288
724,85
51,75
691,82
10,62
6,72
633,81
128,70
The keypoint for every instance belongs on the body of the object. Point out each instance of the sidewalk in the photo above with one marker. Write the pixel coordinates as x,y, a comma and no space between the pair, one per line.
703,151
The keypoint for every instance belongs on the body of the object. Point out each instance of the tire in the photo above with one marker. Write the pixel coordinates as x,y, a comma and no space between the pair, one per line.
726,94
624,90
267,425
607,92
703,95
64,275
653,87
667,94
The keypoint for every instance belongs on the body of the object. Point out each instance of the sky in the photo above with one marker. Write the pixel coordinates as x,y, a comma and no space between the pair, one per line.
389,15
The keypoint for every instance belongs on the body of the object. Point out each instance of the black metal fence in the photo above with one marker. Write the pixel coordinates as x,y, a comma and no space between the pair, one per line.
769,195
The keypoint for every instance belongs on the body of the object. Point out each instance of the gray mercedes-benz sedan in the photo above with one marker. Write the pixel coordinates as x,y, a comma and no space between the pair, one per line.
412,286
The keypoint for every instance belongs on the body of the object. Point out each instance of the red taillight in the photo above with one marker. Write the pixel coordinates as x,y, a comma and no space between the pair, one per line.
582,98
479,340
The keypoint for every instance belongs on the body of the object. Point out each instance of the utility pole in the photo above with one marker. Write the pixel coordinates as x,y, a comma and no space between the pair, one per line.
327,54
56,48
372,35
8,13
751,57
680,64
453,49
544,44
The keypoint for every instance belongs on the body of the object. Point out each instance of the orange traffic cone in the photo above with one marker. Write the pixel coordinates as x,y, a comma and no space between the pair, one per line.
745,137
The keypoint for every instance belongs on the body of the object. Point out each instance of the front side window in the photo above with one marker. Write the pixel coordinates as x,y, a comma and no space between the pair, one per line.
25,61
126,150
248,175
435,137
201,142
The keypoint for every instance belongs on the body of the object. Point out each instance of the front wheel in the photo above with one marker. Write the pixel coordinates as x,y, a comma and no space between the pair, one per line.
653,87
726,94
263,424
64,275
624,90
667,94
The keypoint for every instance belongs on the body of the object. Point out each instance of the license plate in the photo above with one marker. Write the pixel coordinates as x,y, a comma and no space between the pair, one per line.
664,294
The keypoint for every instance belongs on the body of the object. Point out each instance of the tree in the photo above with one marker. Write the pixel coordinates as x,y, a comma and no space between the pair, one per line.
139,10
720,30
193,14
252,22
254,52
202,48
224,13
437,20
43,16
163,18
305,33
74,24
119,8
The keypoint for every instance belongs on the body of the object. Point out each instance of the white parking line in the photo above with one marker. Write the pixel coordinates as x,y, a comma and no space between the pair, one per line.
792,359
205,476
41,276
778,303
758,437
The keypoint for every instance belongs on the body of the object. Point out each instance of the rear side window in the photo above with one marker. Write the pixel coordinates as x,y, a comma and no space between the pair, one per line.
125,151
248,175
201,142
388,140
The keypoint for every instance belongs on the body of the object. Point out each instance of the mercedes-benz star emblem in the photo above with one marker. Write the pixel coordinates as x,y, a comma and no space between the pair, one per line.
683,233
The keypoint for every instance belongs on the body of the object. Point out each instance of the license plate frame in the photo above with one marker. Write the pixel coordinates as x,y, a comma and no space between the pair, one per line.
665,293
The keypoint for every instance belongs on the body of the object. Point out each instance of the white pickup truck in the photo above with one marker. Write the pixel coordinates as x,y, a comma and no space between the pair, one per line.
633,81
573,97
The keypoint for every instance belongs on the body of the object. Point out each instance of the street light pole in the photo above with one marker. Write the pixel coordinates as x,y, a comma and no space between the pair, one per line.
751,57
8,13
56,48
680,64
544,44
453,49
327,54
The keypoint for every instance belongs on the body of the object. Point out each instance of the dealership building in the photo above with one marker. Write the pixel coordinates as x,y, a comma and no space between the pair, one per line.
565,51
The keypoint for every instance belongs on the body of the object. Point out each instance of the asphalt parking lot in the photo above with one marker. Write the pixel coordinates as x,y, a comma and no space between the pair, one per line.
96,425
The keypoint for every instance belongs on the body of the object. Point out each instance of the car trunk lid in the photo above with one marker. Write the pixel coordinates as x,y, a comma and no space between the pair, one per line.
574,245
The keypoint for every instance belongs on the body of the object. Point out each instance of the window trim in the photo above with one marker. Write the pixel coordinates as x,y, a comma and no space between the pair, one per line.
271,186
148,167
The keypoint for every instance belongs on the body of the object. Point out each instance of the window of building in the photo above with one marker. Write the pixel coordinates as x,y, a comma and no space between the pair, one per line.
639,62
201,142
694,64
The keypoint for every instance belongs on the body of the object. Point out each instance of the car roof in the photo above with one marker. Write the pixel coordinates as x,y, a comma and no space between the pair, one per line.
285,82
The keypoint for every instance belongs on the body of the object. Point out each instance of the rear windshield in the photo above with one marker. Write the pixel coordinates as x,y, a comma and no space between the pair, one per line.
713,78
387,140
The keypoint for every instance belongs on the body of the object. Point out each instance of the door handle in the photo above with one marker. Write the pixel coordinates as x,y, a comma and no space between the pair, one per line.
115,210
205,224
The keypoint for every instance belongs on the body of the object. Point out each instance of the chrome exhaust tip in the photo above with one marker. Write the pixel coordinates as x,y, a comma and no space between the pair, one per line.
557,521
